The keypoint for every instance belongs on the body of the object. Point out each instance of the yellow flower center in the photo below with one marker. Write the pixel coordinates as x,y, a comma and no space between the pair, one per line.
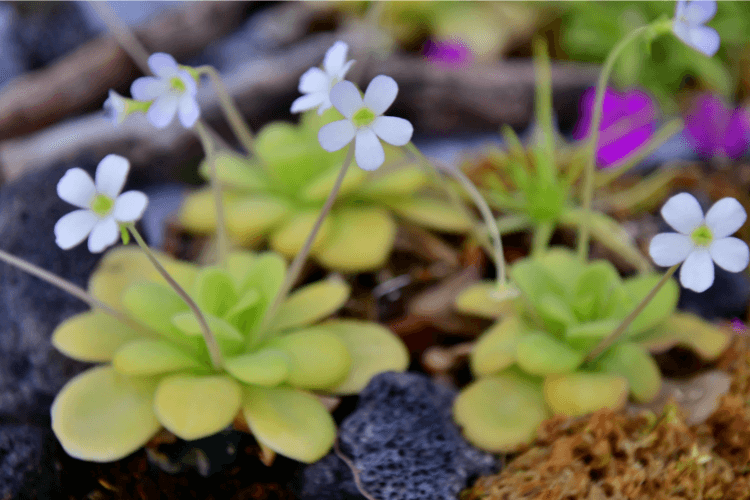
702,236
177,84
102,205
363,117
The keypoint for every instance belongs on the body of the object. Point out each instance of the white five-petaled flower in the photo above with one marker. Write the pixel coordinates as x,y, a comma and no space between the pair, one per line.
699,240
172,91
102,206
688,25
317,83
364,121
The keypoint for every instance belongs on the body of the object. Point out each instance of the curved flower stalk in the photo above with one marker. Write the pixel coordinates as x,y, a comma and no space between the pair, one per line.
364,122
317,83
277,196
701,241
165,379
102,207
172,91
688,25
532,362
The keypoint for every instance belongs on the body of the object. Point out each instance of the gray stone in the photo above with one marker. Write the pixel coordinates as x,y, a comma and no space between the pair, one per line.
403,441
20,452
31,370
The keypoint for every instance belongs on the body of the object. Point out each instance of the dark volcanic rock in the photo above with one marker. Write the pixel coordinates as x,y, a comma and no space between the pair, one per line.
20,451
404,442
31,370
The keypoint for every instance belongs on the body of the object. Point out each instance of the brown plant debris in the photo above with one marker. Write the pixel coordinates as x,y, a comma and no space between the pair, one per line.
610,455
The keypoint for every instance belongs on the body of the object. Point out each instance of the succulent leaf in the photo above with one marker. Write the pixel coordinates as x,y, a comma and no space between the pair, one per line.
92,336
291,422
310,304
250,218
431,212
539,353
235,171
478,299
289,238
496,348
661,307
193,407
579,393
635,364
152,357
266,367
103,416
687,330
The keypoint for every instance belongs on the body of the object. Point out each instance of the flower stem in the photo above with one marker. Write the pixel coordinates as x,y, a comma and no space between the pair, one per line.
211,344
69,287
221,226
612,337
479,201
239,126
299,260
588,190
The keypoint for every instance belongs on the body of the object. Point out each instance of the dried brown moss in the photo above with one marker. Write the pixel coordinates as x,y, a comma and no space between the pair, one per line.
611,455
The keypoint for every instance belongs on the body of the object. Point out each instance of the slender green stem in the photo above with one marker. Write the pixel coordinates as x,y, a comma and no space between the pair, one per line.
299,260
547,170
211,344
542,234
239,126
612,337
588,190
222,240
489,221
69,287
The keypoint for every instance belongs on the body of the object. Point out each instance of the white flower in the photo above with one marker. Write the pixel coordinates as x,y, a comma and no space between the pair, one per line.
102,205
689,19
172,91
317,84
699,240
115,107
364,122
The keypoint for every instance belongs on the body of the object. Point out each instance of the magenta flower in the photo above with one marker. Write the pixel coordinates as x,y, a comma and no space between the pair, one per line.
448,53
628,122
716,130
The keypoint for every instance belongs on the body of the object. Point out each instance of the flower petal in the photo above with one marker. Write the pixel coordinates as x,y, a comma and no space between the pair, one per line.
367,150
683,213
162,111
697,273
704,39
336,135
335,58
77,188
680,9
313,80
342,73
162,65
188,110
104,234
393,130
699,12
682,31
668,249
309,101
346,99
148,88
114,107
111,174
130,206
73,228
730,254
725,217
380,94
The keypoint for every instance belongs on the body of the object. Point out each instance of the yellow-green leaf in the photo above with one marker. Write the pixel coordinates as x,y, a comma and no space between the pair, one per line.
360,239
579,393
250,218
500,412
267,367
103,416
496,348
319,359
637,366
433,213
319,188
152,357
289,238
311,303
194,407
687,330
92,336
539,353
401,182
373,349
198,211
480,299
235,171
291,422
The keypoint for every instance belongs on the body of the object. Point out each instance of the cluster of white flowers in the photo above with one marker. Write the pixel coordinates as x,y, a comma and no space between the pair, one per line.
363,120
172,91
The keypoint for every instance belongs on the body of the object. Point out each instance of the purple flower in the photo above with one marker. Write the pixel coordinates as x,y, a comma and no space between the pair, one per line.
716,130
448,53
628,122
